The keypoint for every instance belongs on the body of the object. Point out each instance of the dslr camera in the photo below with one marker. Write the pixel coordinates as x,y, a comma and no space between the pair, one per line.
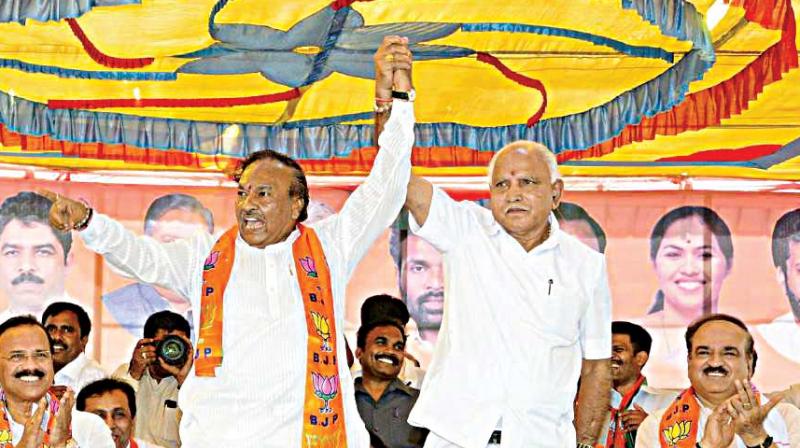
173,350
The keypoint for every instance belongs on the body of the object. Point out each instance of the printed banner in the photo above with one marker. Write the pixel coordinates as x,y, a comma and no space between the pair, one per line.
672,256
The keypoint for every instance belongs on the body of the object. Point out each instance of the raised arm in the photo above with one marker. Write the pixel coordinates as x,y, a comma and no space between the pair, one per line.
374,205
168,265
418,198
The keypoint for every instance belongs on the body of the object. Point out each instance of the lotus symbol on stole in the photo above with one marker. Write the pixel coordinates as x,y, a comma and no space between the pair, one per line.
211,261
323,330
325,388
677,432
308,266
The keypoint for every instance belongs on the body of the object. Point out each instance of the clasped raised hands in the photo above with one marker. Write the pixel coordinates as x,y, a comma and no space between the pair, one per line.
393,62
65,213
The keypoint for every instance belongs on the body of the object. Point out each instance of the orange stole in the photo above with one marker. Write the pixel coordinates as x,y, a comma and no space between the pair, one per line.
678,426
5,426
323,412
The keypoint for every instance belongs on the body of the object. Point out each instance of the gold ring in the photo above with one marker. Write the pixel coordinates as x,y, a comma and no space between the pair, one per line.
144,355
390,58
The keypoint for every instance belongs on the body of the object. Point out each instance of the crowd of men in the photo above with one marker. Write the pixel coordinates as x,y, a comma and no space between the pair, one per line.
242,341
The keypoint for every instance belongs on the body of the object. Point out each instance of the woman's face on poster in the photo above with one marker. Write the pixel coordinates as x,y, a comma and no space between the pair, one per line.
690,267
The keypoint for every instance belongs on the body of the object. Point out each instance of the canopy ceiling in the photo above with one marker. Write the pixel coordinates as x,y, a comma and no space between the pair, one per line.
615,87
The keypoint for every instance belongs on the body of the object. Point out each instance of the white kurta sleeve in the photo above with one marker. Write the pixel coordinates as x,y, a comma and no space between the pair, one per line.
647,434
374,205
791,417
596,320
89,431
447,224
170,265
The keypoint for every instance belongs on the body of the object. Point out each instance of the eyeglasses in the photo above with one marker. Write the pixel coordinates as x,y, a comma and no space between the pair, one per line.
37,356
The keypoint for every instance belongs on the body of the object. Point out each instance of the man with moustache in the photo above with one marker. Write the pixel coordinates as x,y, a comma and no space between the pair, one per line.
631,399
282,380
114,401
420,280
722,408
783,333
168,218
523,293
69,326
34,258
384,401
157,383
32,416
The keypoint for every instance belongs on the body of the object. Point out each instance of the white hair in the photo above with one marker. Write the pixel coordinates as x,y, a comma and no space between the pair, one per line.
543,151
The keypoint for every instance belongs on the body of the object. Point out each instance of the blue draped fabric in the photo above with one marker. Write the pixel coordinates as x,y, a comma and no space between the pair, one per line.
86,74
44,10
328,137
622,47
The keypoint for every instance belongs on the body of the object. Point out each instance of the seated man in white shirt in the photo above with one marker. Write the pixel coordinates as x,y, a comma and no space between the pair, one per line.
157,382
523,294
69,326
31,415
722,408
114,401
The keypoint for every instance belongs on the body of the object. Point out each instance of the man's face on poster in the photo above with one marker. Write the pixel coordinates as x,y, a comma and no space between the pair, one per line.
422,283
32,266
176,224
790,276
581,230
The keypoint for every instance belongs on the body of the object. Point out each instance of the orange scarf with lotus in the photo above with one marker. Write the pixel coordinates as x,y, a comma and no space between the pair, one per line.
323,415
678,427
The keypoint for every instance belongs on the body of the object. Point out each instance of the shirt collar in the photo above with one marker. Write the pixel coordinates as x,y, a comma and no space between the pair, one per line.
272,248
395,385
551,242
73,369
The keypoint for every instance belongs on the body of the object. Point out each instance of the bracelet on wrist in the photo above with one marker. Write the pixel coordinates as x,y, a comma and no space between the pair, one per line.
381,108
84,223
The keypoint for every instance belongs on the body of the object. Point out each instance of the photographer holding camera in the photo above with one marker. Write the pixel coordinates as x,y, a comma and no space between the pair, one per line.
159,365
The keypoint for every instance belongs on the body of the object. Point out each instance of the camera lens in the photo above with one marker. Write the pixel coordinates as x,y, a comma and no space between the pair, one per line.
173,350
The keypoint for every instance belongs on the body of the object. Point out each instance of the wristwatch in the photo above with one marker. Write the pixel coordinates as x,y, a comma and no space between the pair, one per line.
766,443
411,95
583,445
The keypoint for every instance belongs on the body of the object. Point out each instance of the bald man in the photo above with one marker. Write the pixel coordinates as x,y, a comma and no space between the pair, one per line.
527,313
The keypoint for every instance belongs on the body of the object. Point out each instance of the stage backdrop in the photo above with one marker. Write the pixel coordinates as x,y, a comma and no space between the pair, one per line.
691,266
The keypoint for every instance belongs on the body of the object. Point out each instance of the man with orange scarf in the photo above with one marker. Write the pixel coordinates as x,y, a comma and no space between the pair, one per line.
722,408
268,295
31,415
631,399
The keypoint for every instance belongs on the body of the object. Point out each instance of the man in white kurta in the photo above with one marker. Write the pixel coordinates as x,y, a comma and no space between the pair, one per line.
510,348
256,398
518,322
